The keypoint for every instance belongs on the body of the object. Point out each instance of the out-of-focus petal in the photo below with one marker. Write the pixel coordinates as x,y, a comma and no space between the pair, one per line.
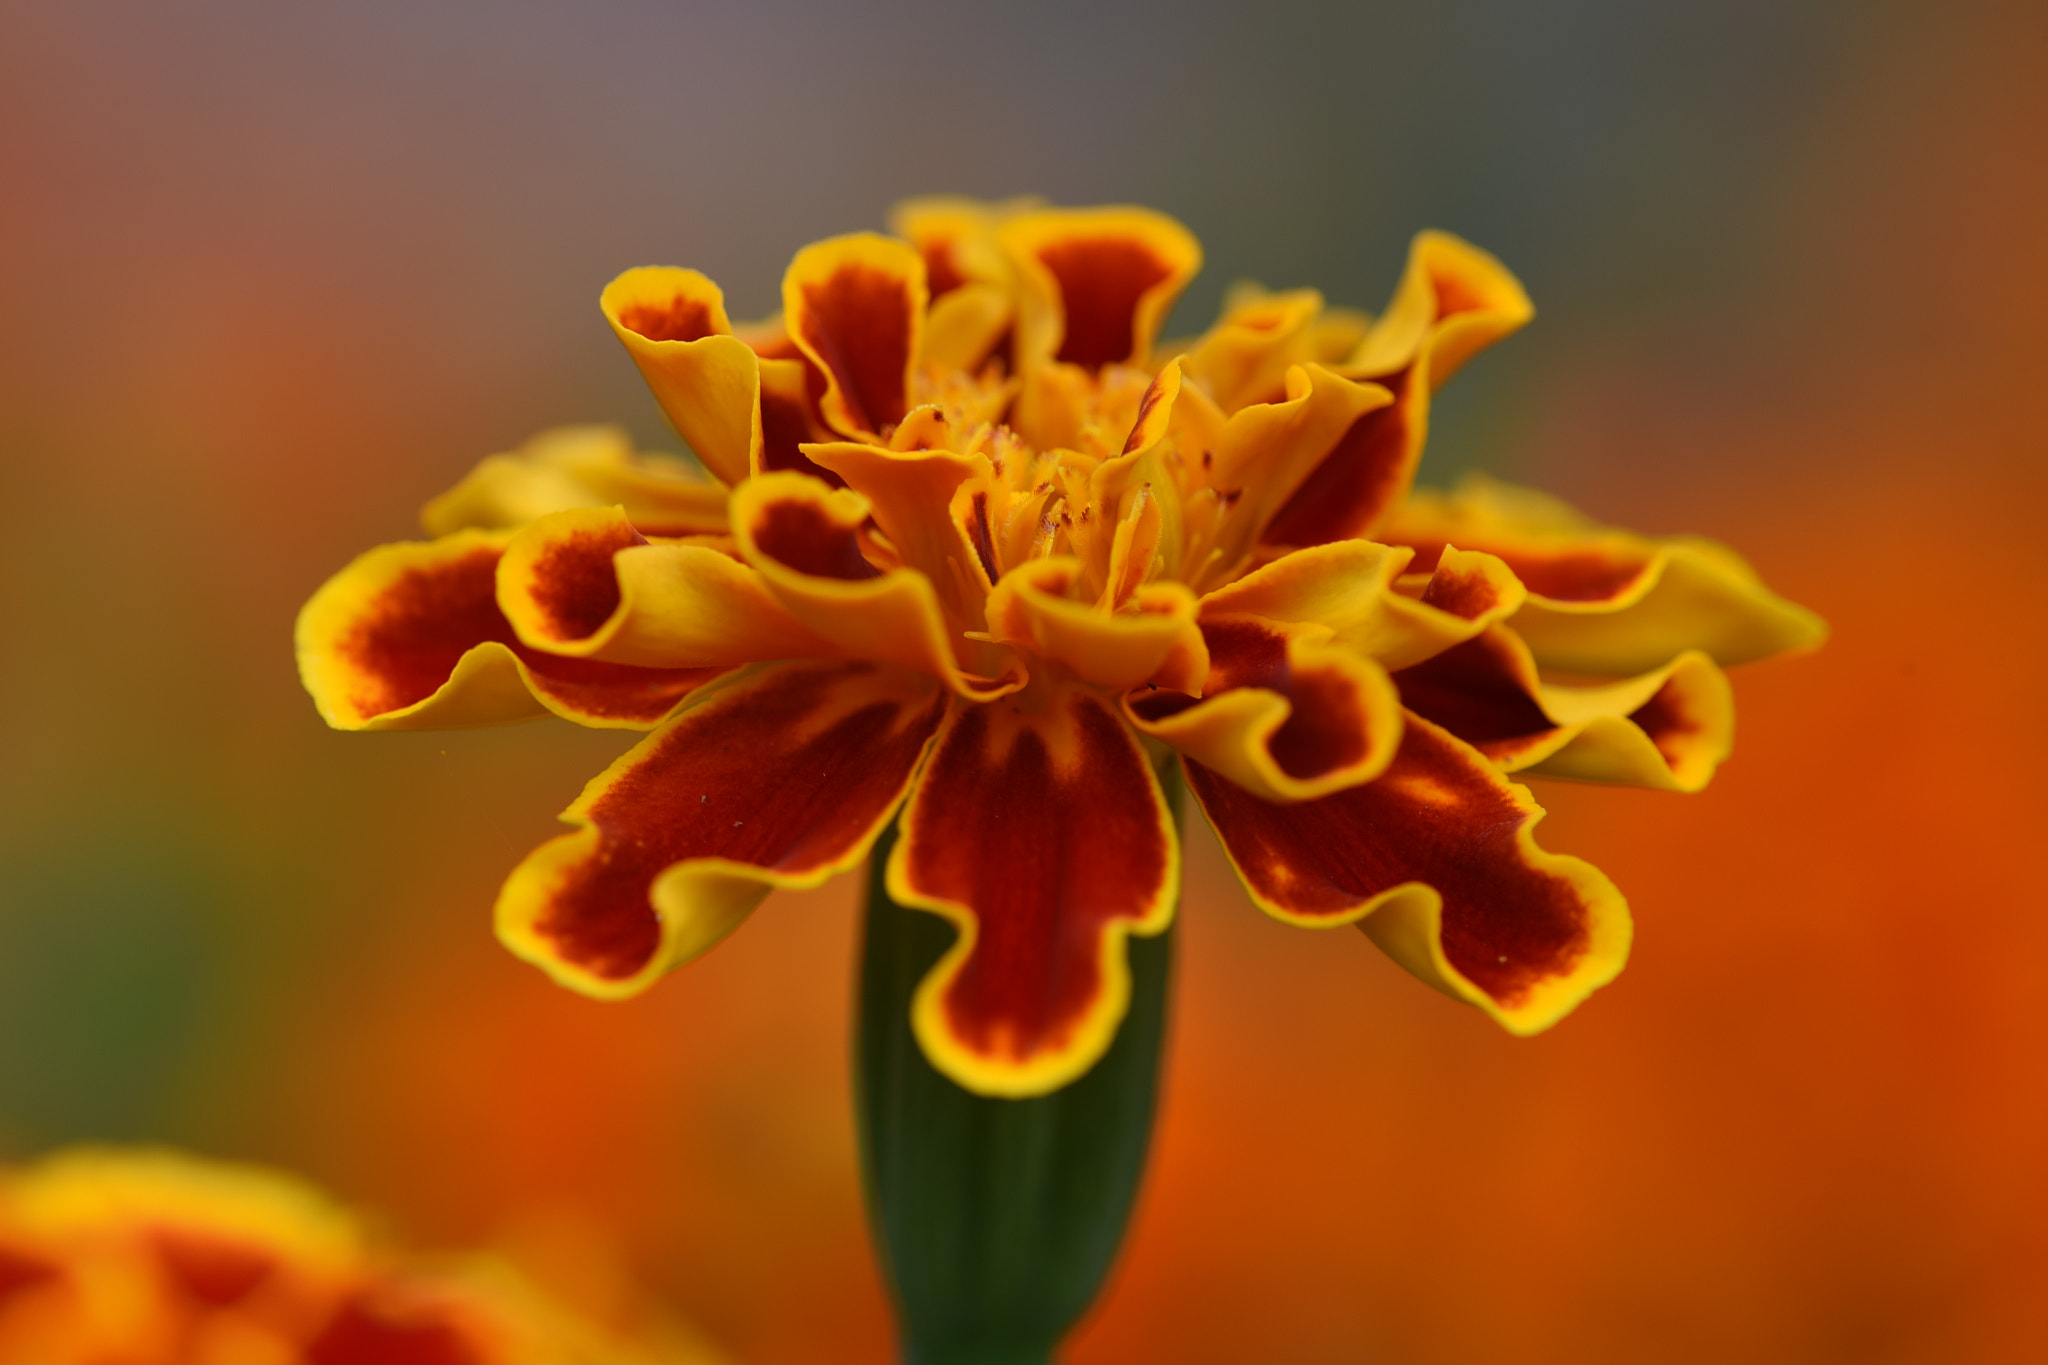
1044,836
1604,602
1155,640
1453,301
673,324
1437,861
1245,357
580,467
855,305
1282,712
1669,728
410,636
805,540
1096,283
781,778
586,584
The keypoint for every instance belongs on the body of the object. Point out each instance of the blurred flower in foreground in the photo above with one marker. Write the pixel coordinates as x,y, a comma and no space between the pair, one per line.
979,549
152,1258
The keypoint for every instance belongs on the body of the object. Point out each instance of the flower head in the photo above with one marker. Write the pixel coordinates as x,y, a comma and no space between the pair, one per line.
152,1258
978,548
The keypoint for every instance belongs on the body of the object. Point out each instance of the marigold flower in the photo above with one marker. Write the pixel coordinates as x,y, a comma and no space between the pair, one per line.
153,1258
975,547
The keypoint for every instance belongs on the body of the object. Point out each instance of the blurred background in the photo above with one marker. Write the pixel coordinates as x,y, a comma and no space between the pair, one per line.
271,275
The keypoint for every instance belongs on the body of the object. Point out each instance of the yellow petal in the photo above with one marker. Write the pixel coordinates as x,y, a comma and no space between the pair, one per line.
673,324
1603,602
1156,641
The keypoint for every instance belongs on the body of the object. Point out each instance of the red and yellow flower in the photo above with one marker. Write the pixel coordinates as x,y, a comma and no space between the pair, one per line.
152,1258
977,553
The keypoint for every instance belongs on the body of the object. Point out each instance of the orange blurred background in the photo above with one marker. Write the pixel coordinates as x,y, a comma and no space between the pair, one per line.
270,278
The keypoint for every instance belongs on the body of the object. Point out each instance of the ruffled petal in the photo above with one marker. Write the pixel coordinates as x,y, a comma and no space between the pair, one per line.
1437,862
910,494
1096,283
586,584
1668,729
856,305
1268,450
805,539
1041,605
1453,301
707,380
781,778
1366,473
1282,712
580,467
1603,602
1358,590
410,637
1245,357
1044,836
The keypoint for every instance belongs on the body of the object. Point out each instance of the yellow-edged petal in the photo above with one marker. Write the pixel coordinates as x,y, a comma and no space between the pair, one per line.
586,584
805,539
782,777
1604,602
673,324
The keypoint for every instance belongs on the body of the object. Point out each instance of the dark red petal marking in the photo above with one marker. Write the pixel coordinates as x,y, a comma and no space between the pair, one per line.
211,1269
748,777
20,1270
1466,593
941,275
1578,575
1101,281
684,319
787,425
1439,815
409,640
1362,478
1669,724
366,1332
1474,691
802,536
1325,730
858,321
1048,853
574,582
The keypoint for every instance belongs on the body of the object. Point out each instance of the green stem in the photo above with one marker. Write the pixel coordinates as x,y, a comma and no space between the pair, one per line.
997,1219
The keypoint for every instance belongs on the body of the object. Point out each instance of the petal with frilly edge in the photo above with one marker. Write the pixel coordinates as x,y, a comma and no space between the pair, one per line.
1668,729
1155,639
1266,451
971,281
910,495
1096,283
707,380
1282,712
1604,602
587,584
855,305
806,541
580,467
1437,862
1364,476
1453,301
1043,835
782,777
1362,592
1245,357
410,637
